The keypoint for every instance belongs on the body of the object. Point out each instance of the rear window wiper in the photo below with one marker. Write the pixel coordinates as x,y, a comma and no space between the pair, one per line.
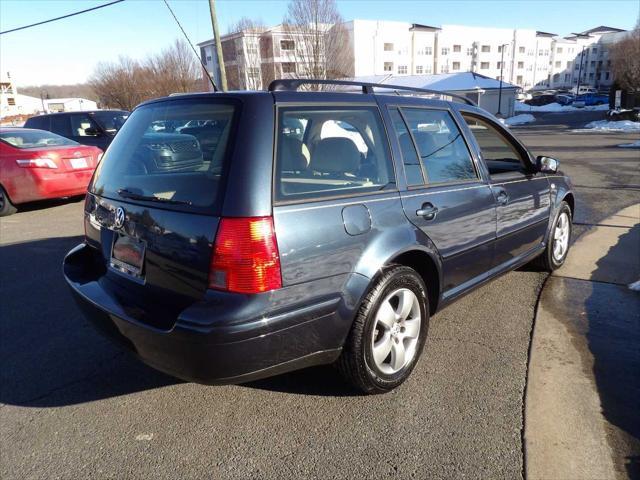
123,192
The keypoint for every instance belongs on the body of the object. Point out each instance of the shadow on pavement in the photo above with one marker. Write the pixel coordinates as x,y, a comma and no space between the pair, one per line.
50,355
44,204
614,337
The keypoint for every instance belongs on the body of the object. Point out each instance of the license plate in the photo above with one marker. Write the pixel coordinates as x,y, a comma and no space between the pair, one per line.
79,162
127,254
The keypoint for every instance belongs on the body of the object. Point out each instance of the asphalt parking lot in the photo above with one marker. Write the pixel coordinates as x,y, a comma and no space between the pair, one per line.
74,406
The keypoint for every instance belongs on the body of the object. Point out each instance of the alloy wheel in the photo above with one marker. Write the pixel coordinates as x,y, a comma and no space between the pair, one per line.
561,237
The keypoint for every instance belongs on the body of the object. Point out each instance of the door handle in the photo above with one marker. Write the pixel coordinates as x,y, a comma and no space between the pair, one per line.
428,211
502,197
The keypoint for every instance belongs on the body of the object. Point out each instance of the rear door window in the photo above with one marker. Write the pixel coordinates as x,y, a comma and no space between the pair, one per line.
60,124
171,153
80,123
329,151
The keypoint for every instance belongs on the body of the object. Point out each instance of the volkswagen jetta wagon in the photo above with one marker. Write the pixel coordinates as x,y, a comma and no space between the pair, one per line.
233,236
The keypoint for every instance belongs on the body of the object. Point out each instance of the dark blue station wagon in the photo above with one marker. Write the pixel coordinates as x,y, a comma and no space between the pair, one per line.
234,236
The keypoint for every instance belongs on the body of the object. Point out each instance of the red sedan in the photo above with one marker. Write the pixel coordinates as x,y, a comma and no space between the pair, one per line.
35,165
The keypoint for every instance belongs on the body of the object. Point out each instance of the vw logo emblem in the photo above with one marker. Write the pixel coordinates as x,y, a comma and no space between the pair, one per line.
118,221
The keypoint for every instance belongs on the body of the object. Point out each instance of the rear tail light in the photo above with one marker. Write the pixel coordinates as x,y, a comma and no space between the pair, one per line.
37,163
245,256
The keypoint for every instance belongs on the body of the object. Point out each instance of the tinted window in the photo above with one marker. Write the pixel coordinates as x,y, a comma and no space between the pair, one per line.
41,122
80,123
500,155
26,138
325,151
173,151
111,121
412,168
443,152
60,124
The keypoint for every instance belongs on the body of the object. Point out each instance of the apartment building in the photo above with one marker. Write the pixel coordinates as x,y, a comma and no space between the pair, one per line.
528,58
254,57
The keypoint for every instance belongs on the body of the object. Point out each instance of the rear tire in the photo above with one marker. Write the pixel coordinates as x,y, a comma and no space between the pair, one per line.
559,241
388,333
6,207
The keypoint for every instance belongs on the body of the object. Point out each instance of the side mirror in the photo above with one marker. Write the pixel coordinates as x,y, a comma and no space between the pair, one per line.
92,132
547,164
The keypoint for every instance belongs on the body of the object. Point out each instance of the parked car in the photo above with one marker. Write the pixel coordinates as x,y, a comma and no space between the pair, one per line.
95,128
539,100
290,247
583,89
589,99
523,96
565,99
36,165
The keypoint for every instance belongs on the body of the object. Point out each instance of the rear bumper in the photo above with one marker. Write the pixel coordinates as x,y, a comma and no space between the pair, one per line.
39,184
219,339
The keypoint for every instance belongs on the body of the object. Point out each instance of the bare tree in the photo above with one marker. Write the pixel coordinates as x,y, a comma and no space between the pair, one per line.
249,60
127,82
321,42
625,60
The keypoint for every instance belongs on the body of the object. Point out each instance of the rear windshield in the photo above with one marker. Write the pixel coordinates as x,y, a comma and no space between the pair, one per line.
34,139
170,153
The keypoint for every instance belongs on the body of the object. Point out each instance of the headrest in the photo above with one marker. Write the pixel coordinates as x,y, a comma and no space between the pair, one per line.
292,156
336,155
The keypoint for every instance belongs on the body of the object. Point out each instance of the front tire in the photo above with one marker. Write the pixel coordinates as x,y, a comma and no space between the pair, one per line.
389,332
6,207
559,241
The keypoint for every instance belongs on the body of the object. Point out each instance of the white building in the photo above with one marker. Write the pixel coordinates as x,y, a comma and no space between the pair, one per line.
53,105
528,58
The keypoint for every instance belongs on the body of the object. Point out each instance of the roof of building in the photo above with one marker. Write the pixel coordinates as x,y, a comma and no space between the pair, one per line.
546,34
452,82
426,28
602,29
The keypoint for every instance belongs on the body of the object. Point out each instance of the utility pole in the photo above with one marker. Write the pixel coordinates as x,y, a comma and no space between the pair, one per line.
580,72
501,69
216,34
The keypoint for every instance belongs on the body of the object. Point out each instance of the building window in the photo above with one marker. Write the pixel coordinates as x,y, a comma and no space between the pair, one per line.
288,67
486,48
402,69
445,50
521,50
252,49
568,64
287,45
469,51
484,65
520,64
428,51
594,50
559,50
556,77
208,58
499,65
427,69
456,66
388,66
540,52
599,76
388,47
519,79
558,64
606,75
591,76
419,69
593,63
500,48
457,48
567,77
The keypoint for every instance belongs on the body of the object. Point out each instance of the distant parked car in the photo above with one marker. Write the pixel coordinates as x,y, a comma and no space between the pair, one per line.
95,128
565,99
589,99
539,100
35,165
523,96
583,89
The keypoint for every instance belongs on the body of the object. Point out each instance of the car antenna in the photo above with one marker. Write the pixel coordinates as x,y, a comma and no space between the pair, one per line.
204,67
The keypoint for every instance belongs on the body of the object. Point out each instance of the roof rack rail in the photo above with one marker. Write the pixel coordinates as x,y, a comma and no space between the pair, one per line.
280,85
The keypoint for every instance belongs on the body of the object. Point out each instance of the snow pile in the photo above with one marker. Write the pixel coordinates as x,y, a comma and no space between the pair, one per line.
619,126
635,144
556,107
519,119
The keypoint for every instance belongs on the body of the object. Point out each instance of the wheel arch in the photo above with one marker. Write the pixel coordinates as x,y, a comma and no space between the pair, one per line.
425,265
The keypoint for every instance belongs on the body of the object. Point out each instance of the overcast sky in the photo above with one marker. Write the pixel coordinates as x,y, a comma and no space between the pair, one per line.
66,51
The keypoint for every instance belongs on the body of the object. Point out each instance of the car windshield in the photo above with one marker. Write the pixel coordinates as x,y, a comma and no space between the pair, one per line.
171,153
33,138
111,121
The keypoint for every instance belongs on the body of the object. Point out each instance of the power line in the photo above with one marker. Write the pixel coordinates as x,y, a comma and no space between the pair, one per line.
62,17
204,67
